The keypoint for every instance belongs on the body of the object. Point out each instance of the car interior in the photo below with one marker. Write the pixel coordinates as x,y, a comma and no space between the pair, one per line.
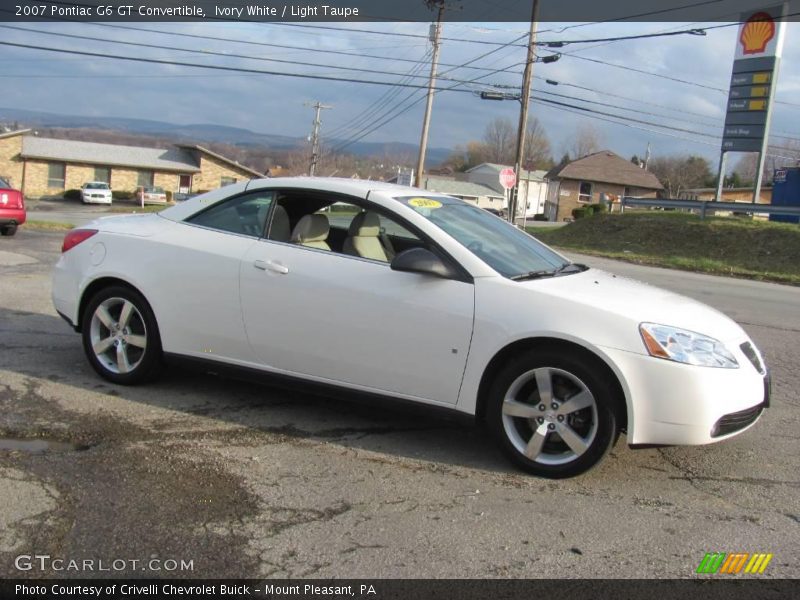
338,225
312,219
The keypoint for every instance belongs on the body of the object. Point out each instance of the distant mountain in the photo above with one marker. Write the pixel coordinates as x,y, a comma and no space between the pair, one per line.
204,132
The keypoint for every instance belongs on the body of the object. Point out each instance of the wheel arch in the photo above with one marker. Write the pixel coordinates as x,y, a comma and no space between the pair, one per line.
98,284
622,405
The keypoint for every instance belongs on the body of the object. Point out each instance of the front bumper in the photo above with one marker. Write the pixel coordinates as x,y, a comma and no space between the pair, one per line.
671,403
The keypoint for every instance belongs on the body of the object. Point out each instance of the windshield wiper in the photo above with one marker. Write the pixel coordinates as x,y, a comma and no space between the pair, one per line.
533,275
565,269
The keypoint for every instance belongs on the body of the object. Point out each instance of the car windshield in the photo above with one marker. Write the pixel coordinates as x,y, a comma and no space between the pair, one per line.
508,250
155,190
96,186
4,183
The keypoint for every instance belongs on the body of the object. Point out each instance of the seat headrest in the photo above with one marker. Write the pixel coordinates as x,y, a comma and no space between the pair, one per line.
365,224
281,229
311,228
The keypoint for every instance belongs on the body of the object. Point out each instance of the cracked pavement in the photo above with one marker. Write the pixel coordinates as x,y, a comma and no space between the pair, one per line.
253,481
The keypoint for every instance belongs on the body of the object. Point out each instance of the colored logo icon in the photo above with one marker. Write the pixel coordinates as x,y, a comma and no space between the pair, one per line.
734,563
757,32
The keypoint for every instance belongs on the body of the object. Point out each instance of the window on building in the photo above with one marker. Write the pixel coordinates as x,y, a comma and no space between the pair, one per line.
145,179
56,174
627,192
226,181
585,192
102,174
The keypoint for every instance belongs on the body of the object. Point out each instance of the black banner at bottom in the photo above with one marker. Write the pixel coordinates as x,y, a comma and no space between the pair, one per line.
707,588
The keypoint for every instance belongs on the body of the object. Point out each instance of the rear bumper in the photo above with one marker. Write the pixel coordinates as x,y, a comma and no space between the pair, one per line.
12,216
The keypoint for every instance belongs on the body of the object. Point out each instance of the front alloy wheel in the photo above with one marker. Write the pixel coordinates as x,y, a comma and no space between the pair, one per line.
551,414
120,336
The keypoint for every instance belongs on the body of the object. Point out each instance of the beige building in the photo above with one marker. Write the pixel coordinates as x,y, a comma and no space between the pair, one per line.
48,167
594,178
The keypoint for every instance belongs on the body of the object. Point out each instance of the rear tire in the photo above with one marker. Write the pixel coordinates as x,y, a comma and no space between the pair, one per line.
120,336
551,413
8,230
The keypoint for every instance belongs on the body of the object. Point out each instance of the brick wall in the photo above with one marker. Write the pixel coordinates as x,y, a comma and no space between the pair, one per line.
569,190
11,165
212,170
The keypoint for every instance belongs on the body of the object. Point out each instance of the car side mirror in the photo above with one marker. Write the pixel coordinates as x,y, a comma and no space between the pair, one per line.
424,262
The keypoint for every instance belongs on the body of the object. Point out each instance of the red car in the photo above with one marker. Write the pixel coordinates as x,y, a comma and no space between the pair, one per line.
12,208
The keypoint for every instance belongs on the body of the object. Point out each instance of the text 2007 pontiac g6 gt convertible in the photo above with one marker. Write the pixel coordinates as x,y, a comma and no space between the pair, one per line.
388,290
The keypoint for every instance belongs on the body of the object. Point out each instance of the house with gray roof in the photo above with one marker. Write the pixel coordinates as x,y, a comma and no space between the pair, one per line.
48,167
476,193
599,177
532,186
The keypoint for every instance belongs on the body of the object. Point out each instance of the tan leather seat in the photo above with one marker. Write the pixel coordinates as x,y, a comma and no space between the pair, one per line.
363,237
312,231
281,229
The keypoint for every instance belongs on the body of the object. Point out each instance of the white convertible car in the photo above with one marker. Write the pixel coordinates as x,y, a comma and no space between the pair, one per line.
374,288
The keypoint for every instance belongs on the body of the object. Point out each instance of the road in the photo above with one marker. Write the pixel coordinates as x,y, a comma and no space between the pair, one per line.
245,480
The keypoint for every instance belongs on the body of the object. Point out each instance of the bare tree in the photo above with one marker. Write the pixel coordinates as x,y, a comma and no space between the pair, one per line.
783,155
499,139
587,141
680,173
537,153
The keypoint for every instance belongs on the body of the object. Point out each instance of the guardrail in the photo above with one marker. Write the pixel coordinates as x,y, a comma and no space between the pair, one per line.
703,206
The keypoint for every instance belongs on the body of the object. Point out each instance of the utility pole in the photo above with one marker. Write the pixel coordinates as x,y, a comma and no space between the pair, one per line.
315,135
523,113
435,34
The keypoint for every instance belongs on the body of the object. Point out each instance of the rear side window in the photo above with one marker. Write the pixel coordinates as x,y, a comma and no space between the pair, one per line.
245,215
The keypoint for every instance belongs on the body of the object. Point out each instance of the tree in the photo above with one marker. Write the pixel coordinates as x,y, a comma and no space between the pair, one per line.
587,141
785,155
500,141
635,160
680,173
536,154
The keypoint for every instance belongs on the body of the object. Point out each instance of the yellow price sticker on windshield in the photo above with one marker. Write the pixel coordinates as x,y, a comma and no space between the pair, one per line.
424,203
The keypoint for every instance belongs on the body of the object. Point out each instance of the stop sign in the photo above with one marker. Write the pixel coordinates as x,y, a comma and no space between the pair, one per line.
508,178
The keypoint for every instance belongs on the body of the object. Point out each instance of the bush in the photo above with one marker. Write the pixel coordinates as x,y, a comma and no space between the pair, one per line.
121,195
72,195
599,208
578,213
540,217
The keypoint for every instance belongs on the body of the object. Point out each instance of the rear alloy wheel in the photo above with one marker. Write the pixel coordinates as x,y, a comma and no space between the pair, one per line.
8,230
551,414
120,336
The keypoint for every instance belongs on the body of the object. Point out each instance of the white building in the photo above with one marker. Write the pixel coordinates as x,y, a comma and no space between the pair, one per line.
532,188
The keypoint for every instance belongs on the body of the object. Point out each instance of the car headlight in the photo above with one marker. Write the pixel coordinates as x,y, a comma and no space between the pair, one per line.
672,343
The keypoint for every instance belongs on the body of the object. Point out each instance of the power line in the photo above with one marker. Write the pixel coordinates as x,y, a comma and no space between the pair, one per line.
208,52
270,44
214,67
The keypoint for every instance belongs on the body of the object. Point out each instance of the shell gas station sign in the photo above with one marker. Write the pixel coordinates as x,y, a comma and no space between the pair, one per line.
758,49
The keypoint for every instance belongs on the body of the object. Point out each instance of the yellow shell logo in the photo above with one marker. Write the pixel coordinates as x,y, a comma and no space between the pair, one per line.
757,32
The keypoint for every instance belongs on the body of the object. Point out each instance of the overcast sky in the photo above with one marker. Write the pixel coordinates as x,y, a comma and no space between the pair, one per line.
88,86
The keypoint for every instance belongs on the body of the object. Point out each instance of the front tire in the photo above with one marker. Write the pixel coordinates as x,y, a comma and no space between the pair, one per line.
120,336
550,412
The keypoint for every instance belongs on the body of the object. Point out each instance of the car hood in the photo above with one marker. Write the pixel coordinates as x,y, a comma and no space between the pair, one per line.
639,302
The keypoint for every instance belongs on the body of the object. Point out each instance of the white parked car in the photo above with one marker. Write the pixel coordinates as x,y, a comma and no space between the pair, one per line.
412,295
95,192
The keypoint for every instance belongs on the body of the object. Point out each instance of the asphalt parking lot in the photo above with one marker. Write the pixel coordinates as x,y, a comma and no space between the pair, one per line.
249,481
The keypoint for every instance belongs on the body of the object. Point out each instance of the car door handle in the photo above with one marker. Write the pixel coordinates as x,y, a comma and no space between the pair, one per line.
265,265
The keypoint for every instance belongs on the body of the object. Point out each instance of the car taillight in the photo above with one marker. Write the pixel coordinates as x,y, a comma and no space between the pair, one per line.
11,199
75,237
